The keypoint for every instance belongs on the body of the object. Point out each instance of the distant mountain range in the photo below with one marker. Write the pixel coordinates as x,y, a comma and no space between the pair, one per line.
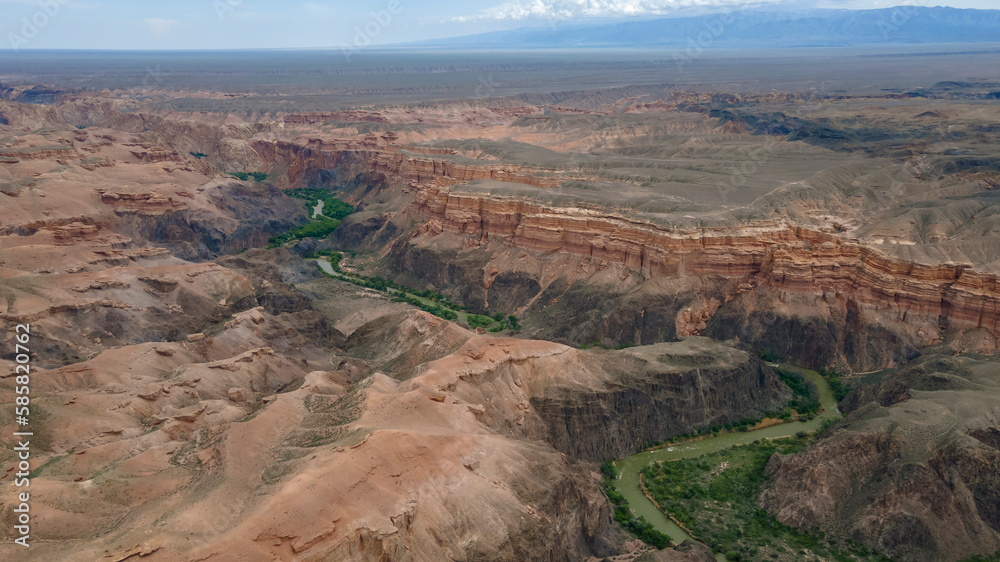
753,29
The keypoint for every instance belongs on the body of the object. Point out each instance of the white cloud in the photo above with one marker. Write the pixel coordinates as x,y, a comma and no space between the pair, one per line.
315,8
581,9
159,27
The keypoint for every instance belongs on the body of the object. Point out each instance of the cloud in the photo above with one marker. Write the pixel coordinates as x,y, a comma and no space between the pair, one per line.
581,9
159,27
315,8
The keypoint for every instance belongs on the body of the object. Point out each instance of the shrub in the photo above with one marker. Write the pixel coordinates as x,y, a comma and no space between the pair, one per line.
609,470
839,389
478,320
767,356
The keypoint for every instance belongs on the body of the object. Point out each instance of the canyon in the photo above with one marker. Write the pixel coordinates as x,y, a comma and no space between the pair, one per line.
200,396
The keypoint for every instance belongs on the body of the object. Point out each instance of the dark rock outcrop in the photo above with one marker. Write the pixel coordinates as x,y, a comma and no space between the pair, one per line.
659,391
912,471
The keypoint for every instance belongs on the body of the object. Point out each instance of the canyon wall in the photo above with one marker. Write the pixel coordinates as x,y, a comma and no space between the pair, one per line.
674,388
799,272
425,170
813,296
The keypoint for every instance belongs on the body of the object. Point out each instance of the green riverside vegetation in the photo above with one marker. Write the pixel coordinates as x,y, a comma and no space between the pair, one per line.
429,301
623,515
832,377
806,400
317,228
716,497
334,211
332,207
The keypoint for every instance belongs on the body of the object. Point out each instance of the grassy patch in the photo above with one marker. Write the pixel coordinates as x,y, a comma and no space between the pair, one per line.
715,496
48,463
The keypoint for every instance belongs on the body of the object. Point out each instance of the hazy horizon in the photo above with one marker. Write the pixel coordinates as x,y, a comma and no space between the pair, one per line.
245,24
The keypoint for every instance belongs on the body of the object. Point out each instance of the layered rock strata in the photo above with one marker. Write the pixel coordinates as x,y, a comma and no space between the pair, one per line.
931,299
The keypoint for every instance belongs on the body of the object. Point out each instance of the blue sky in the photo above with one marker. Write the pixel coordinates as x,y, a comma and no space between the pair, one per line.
240,24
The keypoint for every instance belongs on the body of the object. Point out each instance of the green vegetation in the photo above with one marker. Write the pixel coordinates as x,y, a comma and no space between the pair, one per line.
623,515
805,404
332,207
806,401
427,300
320,228
334,211
477,321
715,496
995,557
838,387
509,323
435,309
38,471
768,357
330,255
198,155
244,176
827,424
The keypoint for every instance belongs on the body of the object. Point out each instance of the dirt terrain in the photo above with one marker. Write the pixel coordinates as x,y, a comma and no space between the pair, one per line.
199,397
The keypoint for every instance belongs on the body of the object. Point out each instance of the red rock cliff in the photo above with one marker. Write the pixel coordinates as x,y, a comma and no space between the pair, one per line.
781,256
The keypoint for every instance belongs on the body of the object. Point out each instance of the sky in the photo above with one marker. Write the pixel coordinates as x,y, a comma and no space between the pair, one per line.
248,24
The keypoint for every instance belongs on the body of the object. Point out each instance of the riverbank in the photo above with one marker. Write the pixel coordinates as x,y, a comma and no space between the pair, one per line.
428,301
630,486
649,496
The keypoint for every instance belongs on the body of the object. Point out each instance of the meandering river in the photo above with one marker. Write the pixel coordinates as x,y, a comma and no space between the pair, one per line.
628,480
